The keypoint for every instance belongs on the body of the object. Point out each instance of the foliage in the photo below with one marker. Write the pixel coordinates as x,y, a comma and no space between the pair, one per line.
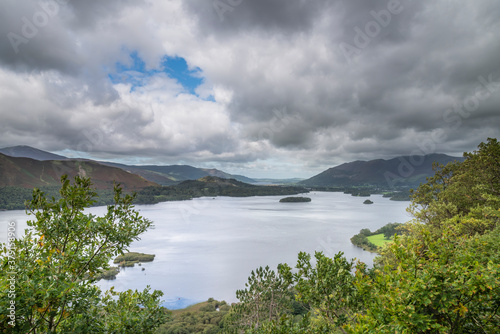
441,274
13,198
401,195
437,285
17,198
327,288
468,192
59,258
266,297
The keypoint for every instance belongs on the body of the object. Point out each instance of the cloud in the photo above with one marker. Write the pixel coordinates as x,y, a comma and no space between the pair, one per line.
278,86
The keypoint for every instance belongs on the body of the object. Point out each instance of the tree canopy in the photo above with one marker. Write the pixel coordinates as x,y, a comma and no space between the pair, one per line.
49,271
441,274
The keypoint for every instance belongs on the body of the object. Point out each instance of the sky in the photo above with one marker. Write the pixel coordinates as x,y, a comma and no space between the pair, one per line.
263,88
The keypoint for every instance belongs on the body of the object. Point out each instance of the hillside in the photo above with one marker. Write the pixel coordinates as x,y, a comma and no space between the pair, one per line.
384,173
23,151
30,173
224,175
158,177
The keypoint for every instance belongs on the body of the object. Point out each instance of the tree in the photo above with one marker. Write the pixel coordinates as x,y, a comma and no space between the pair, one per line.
266,298
467,193
328,288
440,275
443,274
58,258
449,284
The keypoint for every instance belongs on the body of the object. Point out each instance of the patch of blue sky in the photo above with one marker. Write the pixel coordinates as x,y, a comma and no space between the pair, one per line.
137,75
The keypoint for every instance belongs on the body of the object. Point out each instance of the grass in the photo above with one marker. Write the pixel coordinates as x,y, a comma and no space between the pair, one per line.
378,239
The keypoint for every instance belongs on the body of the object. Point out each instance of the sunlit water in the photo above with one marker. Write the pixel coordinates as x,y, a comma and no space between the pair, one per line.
207,247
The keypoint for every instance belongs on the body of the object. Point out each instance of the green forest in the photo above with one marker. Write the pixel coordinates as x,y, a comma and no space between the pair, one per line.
439,274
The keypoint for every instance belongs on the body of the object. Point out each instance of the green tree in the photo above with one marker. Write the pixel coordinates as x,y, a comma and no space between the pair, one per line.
432,285
266,298
440,275
443,274
328,288
466,194
58,258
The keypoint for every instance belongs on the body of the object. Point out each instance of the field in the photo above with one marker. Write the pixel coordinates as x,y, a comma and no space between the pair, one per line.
378,239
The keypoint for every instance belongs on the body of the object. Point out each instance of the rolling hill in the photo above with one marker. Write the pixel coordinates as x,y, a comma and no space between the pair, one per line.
23,151
30,173
402,171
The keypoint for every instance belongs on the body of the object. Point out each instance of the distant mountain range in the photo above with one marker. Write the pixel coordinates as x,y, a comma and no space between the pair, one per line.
162,175
402,171
28,167
18,176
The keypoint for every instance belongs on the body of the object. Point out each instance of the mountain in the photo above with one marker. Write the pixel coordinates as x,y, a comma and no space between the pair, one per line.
30,173
30,152
224,175
403,171
173,174
163,175
153,175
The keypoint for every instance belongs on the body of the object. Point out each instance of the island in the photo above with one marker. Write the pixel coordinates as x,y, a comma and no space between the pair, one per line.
368,202
131,258
295,199
125,260
109,274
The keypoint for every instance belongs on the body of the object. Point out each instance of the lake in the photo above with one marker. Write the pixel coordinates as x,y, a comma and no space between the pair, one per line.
207,247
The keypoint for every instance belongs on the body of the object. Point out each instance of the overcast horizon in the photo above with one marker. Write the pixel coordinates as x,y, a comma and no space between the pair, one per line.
266,89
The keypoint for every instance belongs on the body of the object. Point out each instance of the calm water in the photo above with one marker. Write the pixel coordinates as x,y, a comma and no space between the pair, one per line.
207,247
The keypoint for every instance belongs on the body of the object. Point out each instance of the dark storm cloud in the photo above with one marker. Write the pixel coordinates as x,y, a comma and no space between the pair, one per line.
239,16
45,35
423,59
32,39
